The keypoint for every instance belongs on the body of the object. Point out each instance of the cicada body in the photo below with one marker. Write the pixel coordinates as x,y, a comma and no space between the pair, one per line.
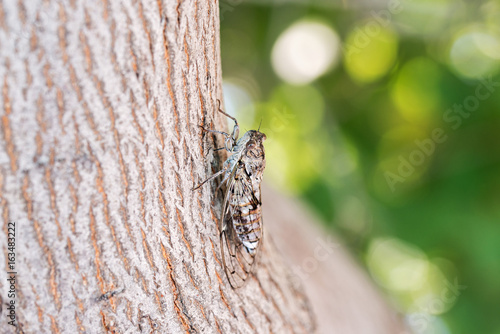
241,225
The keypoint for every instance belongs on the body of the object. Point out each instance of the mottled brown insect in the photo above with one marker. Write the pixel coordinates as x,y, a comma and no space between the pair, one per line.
241,218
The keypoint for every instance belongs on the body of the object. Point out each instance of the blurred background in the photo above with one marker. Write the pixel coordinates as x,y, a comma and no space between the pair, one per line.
384,117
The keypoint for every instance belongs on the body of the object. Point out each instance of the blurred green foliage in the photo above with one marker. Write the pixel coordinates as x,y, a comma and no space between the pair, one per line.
358,141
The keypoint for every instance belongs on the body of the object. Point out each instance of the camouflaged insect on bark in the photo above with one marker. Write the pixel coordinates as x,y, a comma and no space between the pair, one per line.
241,221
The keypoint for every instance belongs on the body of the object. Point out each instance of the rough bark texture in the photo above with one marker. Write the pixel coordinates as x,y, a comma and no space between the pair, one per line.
101,103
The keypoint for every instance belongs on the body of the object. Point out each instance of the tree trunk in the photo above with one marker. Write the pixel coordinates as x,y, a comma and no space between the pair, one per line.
100,146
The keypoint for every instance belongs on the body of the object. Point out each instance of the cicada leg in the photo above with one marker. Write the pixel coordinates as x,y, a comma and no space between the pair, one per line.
236,128
211,177
230,139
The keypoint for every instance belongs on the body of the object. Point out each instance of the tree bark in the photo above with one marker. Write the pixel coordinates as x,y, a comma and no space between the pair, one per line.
100,147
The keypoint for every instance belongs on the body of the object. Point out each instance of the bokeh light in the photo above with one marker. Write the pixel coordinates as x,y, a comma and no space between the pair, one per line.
370,52
417,91
397,265
238,102
475,52
417,282
353,215
292,117
491,12
305,51
423,323
426,17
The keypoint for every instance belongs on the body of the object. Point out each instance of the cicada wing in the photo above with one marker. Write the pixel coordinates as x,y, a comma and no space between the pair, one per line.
236,269
237,260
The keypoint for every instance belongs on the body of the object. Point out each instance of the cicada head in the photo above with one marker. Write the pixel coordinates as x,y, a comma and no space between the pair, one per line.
255,144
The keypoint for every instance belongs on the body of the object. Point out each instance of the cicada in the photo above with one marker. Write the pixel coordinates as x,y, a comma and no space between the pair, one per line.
241,222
